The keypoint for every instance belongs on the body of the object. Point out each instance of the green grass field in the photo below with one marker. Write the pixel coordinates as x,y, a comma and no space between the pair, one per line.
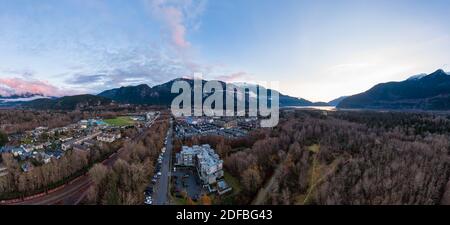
230,198
120,121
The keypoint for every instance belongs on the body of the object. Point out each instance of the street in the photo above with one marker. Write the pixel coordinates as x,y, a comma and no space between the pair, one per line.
161,190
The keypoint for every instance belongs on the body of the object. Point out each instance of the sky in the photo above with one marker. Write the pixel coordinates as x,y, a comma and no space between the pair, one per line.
315,49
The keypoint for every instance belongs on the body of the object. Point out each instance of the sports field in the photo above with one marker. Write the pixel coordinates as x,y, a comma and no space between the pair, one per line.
120,121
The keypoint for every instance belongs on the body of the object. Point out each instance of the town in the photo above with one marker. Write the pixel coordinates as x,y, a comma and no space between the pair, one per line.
230,127
41,145
194,171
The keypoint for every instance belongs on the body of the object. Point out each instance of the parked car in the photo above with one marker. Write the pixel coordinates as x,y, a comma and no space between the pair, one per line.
159,173
149,191
148,200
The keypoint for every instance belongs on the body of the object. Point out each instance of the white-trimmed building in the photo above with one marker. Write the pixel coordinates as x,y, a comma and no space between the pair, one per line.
208,164
68,145
109,138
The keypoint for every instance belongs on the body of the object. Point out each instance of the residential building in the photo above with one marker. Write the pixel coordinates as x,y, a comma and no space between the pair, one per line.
208,164
68,145
90,143
187,155
109,138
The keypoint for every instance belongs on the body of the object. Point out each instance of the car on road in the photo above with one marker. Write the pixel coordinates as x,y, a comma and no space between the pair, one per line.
159,174
148,200
148,191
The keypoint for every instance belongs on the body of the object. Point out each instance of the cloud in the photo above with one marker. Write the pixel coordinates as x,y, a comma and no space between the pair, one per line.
93,66
127,66
18,86
234,77
177,17
25,73
86,79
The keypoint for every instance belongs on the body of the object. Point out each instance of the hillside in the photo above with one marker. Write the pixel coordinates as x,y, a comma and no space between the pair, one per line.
430,92
68,102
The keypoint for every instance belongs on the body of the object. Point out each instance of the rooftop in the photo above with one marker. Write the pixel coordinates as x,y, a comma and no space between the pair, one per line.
205,154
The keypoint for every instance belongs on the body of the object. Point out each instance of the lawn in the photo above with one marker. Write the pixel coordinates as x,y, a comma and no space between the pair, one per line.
230,198
314,148
120,121
233,182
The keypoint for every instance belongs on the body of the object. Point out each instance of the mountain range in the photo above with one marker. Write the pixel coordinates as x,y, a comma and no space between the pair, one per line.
161,94
420,92
140,94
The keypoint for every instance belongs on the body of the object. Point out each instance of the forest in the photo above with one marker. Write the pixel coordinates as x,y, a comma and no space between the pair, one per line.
342,157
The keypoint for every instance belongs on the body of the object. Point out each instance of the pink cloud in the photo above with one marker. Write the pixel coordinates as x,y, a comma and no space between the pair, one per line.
173,17
178,16
17,86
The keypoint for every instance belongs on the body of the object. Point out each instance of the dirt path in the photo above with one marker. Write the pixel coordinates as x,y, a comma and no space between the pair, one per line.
263,192
315,179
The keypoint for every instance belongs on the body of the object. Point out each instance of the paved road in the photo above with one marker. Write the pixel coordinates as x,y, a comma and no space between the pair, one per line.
161,190
75,191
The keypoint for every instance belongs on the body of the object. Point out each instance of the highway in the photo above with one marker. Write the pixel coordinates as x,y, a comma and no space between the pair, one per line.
161,188
74,192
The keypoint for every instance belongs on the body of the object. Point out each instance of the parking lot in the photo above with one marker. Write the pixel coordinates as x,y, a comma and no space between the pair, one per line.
186,179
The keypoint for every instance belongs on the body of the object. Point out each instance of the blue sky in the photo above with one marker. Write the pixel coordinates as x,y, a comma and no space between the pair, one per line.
317,50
